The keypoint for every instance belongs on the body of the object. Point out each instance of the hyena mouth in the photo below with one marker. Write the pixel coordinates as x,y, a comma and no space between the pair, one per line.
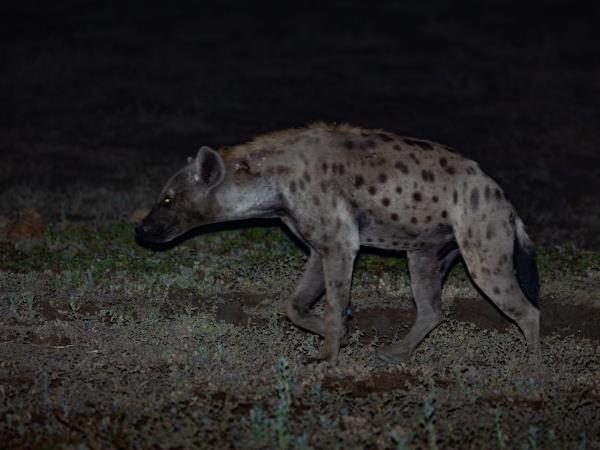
148,235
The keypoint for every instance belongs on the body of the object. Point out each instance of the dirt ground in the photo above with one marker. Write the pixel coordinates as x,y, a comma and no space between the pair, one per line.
104,344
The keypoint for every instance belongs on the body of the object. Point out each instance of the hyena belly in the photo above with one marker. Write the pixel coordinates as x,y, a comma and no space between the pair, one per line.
338,188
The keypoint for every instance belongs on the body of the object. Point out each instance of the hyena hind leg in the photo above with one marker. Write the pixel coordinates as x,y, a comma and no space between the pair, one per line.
427,270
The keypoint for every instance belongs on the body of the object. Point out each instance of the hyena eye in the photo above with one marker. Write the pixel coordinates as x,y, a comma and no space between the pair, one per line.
167,202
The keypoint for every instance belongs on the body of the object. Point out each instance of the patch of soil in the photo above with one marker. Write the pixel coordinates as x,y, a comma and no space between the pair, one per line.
232,309
560,318
376,383
382,322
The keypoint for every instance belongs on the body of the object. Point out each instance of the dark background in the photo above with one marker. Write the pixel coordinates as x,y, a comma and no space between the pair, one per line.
101,101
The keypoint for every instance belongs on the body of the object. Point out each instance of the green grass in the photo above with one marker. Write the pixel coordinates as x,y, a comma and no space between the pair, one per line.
111,248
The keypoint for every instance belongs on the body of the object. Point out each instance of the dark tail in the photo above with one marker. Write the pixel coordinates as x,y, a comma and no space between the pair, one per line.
525,265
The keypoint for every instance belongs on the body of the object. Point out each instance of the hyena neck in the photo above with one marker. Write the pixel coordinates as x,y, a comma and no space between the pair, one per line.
252,200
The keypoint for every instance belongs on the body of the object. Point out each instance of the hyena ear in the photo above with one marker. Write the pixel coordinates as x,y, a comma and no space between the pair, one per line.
209,167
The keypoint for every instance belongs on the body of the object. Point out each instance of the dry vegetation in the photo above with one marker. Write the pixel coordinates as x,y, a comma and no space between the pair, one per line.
105,344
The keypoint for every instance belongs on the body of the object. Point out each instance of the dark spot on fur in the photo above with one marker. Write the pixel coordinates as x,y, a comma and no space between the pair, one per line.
427,176
381,161
293,186
349,144
316,200
382,177
435,199
496,290
414,158
283,169
455,197
353,203
417,197
469,232
325,250
369,240
395,244
381,240
451,170
427,219
487,193
385,137
490,232
385,201
342,169
424,145
475,199
394,217
306,176
401,166
443,162
334,168
301,184
359,181
323,186
324,167
397,147
498,194
444,214
413,220
372,190
398,190
369,143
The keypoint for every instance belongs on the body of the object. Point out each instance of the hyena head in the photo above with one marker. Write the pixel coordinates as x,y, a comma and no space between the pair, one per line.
186,201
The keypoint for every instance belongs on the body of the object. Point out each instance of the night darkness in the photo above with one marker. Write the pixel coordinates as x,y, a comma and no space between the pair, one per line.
103,101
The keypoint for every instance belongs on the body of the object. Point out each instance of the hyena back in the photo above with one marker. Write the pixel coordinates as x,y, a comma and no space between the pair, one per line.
338,187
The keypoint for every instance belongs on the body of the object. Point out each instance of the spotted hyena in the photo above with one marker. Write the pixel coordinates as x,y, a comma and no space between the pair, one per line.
338,187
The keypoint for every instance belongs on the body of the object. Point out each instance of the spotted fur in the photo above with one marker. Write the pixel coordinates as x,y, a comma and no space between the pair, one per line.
339,187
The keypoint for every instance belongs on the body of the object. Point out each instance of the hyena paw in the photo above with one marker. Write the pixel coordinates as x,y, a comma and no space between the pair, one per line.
393,355
324,354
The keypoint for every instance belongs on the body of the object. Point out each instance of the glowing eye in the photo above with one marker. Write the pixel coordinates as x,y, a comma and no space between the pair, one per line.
167,201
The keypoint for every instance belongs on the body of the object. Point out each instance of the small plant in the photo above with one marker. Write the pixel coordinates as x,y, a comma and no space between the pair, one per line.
260,424
532,437
498,427
74,305
12,302
219,352
153,318
282,421
428,420
583,442
400,442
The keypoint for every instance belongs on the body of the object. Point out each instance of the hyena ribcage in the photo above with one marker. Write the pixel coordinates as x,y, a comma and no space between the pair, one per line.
338,187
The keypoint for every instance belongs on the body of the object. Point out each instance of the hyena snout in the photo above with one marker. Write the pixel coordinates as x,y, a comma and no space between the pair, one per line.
153,231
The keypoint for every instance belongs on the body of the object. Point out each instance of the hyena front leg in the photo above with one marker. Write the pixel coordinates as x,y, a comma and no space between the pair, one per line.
427,269
338,268
307,292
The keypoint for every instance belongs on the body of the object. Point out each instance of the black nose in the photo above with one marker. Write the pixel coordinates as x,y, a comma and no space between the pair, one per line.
141,229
